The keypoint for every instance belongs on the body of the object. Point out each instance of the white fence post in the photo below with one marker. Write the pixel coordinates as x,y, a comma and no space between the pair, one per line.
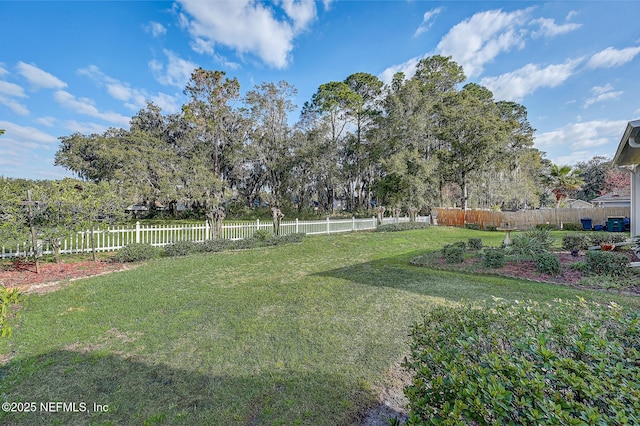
353,223
297,224
328,226
138,232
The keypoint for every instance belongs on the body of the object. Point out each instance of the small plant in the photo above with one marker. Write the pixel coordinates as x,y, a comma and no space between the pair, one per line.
494,259
547,263
530,243
572,226
404,226
598,238
262,234
571,242
490,228
475,243
474,226
607,263
8,298
182,248
216,245
454,253
546,226
580,265
137,252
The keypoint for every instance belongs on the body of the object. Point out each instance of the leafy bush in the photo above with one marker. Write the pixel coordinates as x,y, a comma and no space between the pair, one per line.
454,254
216,245
490,228
475,243
276,240
460,244
182,248
607,263
547,263
137,252
262,234
572,226
474,226
494,259
546,226
8,298
580,265
404,226
598,238
564,363
575,242
530,243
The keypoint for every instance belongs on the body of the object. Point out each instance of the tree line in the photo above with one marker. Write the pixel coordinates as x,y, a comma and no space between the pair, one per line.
417,142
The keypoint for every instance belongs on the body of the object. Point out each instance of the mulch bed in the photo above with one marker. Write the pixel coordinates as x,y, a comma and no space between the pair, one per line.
52,276
526,270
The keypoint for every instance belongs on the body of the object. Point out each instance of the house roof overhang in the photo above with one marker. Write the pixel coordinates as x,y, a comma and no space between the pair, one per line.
628,152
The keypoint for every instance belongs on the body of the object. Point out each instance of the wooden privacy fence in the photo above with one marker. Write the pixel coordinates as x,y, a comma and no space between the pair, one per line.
527,219
114,238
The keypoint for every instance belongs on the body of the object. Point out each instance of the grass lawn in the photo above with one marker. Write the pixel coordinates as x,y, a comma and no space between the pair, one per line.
296,334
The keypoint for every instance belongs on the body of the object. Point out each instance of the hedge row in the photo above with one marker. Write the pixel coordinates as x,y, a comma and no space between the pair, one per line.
139,252
566,363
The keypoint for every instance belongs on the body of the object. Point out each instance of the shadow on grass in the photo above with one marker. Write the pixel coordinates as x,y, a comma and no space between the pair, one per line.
396,272
128,391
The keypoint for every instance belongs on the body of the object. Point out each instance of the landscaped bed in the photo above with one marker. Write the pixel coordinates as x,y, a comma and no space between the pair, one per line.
524,269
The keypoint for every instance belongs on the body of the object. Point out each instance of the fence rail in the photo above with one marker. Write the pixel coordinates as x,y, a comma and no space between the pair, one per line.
114,238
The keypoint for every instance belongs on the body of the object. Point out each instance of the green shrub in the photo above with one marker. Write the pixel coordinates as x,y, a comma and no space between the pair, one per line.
475,243
547,263
529,243
182,248
546,226
473,226
454,253
490,228
276,240
137,252
572,226
494,259
216,245
8,298
580,265
607,263
575,242
609,282
404,226
460,244
262,234
598,238
564,363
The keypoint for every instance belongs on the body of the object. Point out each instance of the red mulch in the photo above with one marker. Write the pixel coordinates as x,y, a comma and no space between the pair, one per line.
527,270
52,276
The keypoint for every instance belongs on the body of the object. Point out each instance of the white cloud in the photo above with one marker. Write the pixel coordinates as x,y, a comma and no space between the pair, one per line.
46,121
25,136
176,72
481,38
548,28
132,98
427,20
11,89
85,128
86,106
156,29
408,68
39,79
515,85
247,26
583,135
14,105
610,57
602,94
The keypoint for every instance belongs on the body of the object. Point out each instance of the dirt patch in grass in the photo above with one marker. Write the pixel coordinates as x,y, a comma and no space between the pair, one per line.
524,269
53,276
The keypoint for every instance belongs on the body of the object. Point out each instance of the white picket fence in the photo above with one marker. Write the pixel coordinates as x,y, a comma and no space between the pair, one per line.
114,238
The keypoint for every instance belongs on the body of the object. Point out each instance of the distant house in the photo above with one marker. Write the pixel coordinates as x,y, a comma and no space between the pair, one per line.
613,199
578,204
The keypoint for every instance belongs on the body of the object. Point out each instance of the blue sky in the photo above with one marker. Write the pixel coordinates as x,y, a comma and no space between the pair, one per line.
80,66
